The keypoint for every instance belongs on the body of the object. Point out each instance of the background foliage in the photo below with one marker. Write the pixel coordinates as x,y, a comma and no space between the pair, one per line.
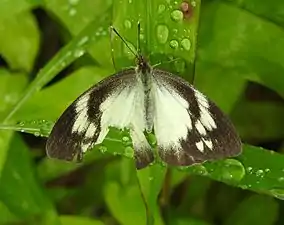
53,50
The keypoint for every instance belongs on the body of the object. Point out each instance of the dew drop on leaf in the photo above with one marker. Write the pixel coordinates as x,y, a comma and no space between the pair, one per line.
200,169
72,12
129,152
127,24
73,2
174,44
177,15
232,170
186,44
249,169
78,53
102,149
259,173
162,33
161,8
83,40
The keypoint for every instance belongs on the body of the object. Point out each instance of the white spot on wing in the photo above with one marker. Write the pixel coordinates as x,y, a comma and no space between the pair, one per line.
205,115
200,146
81,123
201,99
171,120
207,120
208,143
85,147
91,131
200,128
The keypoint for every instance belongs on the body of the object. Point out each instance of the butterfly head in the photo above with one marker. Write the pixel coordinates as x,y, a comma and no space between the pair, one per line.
142,64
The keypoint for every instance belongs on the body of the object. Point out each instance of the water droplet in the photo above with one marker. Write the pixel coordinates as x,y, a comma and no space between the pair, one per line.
259,173
127,24
72,12
174,44
177,15
249,169
201,170
278,193
186,44
267,170
142,36
73,2
175,31
162,33
161,8
125,139
232,171
127,52
129,152
193,3
78,53
102,149
130,1
83,40
36,134
151,178
281,179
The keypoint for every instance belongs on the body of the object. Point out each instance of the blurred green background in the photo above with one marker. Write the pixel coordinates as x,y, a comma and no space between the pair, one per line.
53,50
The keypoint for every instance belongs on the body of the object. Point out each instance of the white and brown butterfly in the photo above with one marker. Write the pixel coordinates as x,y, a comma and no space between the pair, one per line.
189,128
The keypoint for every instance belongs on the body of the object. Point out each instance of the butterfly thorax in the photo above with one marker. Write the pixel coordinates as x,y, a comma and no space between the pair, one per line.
144,73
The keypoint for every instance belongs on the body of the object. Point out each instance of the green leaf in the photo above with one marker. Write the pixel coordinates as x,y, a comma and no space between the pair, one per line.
242,43
19,40
125,203
165,33
151,182
256,169
211,75
76,220
6,215
76,48
80,80
263,9
10,87
20,191
76,15
10,8
250,210
186,221
251,117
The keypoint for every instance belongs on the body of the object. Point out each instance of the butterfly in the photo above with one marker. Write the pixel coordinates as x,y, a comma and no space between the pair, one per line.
189,128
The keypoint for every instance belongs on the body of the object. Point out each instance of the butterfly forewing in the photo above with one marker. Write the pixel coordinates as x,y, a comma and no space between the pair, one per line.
188,126
114,102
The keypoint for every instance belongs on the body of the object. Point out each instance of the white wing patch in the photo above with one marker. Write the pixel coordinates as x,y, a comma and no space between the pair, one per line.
123,109
172,120
81,123
205,116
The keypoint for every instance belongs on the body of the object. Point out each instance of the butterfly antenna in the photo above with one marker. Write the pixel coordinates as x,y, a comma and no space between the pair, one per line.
124,41
138,38
112,48
169,61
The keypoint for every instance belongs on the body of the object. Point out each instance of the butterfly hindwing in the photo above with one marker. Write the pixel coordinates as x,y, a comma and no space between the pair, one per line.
114,102
188,126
